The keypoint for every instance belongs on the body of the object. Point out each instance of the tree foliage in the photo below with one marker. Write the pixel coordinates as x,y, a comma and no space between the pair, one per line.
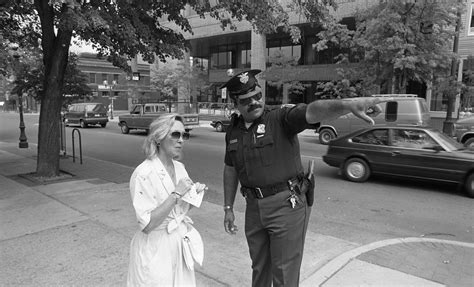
395,42
283,71
168,78
119,30
30,79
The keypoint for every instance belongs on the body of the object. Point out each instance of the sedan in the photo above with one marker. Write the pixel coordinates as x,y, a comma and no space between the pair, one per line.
406,151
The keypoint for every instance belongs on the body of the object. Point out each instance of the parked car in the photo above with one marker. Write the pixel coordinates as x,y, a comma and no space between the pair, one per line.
143,115
220,124
406,151
404,109
85,114
464,131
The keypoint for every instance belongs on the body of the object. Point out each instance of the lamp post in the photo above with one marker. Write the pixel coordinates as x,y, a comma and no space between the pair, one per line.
23,140
112,98
110,88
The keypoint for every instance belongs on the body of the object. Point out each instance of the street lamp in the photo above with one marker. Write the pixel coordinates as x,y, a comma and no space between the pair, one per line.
111,96
23,140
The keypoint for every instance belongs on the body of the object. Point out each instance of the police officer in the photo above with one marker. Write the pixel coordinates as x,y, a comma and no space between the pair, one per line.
263,155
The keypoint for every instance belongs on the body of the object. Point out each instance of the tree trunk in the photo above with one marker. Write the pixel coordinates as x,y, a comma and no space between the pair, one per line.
55,57
48,134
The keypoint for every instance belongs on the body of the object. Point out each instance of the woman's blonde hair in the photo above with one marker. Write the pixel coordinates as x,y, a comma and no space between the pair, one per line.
159,128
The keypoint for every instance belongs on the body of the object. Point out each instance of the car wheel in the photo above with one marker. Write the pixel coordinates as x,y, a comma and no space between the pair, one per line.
124,128
103,125
469,143
469,185
219,127
356,169
326,135
83,124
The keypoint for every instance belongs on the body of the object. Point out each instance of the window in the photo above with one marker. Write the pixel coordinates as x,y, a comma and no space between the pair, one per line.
470,15
92,78
136,110
391,112
200,63
374,137
104,77
116,77
223,57
412,139
245,53
284,48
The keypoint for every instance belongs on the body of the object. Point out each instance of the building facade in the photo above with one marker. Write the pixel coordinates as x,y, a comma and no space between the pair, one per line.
466,54
219,50
112,86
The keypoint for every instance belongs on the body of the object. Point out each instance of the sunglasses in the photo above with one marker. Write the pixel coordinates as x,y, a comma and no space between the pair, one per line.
247,101
178,135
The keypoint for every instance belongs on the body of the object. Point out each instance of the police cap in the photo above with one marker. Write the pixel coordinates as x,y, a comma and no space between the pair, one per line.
241,83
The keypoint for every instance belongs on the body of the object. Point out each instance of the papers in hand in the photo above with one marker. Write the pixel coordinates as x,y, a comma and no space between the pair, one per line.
195,195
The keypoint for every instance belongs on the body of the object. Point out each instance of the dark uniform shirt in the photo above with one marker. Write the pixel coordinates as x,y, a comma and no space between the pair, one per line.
267,153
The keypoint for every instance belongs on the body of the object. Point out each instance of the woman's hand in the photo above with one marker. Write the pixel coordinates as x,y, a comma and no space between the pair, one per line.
184,186
200,187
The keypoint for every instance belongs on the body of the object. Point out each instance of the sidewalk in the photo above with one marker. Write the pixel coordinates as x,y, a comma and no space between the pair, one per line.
77,231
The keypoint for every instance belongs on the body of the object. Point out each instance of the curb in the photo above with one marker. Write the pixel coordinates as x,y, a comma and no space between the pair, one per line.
326,272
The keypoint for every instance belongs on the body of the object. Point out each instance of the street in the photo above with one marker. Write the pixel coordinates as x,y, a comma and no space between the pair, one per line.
379,209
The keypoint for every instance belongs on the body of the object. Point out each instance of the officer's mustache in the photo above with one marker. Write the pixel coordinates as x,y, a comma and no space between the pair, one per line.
253,107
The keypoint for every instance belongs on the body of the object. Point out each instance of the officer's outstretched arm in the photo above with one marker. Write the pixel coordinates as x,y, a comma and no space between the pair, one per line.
231,182
320,110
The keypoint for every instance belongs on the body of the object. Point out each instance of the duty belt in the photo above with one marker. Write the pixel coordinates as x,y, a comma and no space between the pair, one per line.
262,192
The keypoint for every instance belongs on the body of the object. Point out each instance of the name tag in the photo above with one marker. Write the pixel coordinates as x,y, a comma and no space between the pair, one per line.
233,141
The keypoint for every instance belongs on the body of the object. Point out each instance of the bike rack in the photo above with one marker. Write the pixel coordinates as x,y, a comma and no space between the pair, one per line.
62,139
80,145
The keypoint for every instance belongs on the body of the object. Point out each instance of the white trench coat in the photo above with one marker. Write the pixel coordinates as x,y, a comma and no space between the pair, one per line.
156,259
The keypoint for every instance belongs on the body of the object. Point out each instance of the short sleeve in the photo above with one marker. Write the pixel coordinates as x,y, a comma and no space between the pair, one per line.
143,200
228,149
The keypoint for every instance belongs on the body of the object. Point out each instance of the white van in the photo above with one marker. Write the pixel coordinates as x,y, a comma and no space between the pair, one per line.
404,109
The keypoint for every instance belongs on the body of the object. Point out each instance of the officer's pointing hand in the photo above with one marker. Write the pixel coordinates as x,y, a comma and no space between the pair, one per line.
359,107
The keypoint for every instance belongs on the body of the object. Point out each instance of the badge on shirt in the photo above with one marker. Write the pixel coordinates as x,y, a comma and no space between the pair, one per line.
261,129
233,141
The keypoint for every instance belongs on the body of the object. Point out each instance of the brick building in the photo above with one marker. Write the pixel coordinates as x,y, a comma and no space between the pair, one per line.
108,81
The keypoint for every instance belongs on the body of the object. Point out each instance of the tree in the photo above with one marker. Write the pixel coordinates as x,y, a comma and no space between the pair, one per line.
119,30
30,79
282,74
395,42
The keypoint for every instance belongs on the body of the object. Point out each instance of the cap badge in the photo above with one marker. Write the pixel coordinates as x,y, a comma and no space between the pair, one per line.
244,78
261,129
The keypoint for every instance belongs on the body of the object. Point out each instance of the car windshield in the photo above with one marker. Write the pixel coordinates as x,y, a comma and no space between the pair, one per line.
448,142
96,108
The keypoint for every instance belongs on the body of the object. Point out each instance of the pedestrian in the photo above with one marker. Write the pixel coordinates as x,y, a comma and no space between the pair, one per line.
263,155
163,249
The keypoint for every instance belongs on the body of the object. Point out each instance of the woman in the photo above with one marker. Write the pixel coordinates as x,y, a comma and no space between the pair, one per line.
158,251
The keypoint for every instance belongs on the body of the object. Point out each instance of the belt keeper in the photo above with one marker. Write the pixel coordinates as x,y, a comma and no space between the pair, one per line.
258,192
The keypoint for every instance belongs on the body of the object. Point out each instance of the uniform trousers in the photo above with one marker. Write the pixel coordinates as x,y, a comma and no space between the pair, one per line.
275,235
